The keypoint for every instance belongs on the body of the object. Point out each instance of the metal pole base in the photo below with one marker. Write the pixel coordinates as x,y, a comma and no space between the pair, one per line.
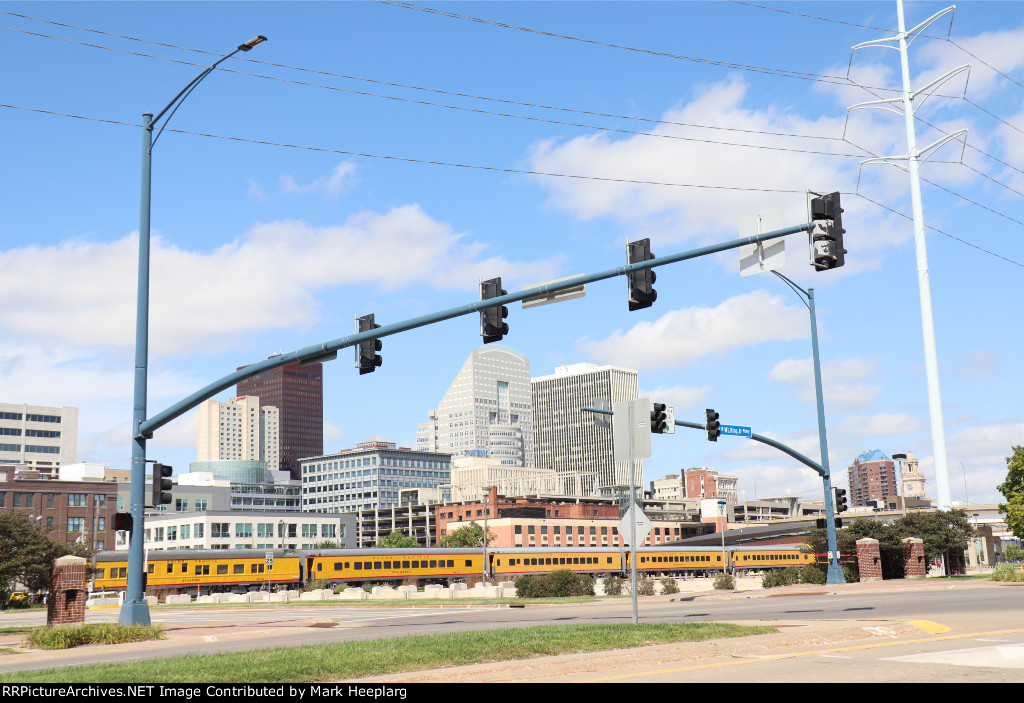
135,613
835,573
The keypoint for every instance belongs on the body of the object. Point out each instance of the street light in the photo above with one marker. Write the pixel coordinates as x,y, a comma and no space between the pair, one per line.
135,610
835,570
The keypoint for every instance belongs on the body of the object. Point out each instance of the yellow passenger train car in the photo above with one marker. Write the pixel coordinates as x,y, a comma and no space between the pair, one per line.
522,561
206,570
770,557
379,565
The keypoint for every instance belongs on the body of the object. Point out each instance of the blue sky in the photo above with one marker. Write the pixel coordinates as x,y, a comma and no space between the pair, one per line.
280,229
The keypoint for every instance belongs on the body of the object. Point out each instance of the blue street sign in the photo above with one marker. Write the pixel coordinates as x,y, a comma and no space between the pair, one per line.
735,430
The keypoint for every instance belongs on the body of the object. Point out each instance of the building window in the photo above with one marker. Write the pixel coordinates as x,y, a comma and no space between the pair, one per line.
76,524
76,500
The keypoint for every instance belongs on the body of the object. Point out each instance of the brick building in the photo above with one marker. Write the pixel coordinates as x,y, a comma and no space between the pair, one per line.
67,511
872,476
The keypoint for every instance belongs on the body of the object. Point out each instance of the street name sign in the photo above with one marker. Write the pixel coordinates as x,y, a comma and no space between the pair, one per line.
735,430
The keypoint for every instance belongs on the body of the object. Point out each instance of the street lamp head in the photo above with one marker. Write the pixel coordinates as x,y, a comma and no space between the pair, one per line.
251,43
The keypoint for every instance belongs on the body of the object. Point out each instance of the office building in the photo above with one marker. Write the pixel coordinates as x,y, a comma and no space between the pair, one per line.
242,429
369,476
297,391
569,441
473,476
39,437
486,411
67,511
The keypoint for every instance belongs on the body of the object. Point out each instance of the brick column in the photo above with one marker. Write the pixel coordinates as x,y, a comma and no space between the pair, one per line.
66,601
869,559
914,566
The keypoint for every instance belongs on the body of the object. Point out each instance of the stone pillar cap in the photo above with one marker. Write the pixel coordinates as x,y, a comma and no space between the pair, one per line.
69,560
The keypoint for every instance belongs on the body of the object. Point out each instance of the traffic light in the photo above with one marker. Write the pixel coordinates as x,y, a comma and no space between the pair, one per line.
492,325
641,283
161,485
670,420
122,522
711,424
840,500
827,235
658,418
367,358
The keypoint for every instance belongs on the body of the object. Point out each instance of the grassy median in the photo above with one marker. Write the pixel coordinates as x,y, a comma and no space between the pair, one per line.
348,660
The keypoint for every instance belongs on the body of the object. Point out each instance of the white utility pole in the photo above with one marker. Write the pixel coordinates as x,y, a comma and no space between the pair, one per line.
913,158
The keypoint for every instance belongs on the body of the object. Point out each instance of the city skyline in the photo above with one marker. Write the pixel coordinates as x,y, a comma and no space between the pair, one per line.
311,181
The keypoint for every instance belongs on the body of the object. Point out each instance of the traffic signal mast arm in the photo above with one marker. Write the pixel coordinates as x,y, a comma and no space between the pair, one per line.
328,350
754,436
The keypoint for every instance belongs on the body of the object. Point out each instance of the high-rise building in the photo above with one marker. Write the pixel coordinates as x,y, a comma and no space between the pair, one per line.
569,441
297,391
872,477
40,437
486,411
242,429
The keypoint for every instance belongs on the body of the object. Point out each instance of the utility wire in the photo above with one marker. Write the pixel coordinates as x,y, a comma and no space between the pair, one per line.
407,86
418,161
450,107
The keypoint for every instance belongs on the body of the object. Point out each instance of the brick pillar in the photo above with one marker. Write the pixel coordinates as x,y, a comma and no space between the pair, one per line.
66,601
914,566
869,559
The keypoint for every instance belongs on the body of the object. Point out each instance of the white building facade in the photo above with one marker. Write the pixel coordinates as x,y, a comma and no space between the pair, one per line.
240,430
41,437
474,476
486,411
568,440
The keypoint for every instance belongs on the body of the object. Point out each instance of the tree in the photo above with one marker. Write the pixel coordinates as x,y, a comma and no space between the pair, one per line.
1013,490
27,554
397,540
945,533
471,535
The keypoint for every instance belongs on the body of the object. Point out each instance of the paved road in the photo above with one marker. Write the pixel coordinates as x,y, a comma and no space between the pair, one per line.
886,631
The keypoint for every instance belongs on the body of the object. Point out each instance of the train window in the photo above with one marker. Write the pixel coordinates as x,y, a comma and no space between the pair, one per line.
359,566
533,562
608,560
406,565
469,562
433,563
239,568
547,561
222,568
346,564
387,564
184,568
376,565
337,566
451,563
151,569
206,569
170,568
121,573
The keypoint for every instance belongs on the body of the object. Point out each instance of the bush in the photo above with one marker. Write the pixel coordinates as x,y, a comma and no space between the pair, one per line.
558,584
67,636
725,582
669,585
645,586
781,577
1007,572
612,586
812,573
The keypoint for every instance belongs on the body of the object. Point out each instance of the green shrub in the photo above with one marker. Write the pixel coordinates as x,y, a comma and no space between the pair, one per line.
558,584
645,586
812,573
725,582
1007,572
67,636
781,577
612,586
668,585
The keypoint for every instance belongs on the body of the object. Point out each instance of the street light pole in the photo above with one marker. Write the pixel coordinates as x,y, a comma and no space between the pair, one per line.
835,570
135,609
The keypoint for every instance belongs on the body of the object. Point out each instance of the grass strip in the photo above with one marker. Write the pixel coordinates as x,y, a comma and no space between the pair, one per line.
347,660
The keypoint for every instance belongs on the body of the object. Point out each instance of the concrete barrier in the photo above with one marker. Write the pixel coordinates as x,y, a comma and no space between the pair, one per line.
182,599
316,594
353,594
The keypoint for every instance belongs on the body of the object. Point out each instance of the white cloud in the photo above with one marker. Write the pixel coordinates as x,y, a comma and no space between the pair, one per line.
680,337
331,186
880,425
201,300
840,387
681,398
